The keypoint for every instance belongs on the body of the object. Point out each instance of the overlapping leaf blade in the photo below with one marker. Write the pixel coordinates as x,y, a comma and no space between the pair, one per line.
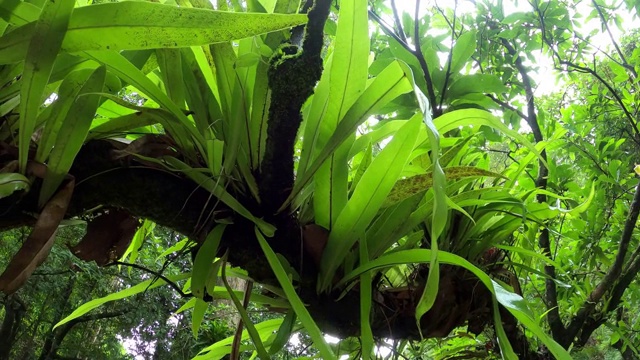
347,78
131,25
368,197
41,50
389,84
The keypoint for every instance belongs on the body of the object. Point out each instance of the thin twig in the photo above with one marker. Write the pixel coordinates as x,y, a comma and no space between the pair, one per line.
508,106
156,274
453,37
437,111
389,32
398,24
613,40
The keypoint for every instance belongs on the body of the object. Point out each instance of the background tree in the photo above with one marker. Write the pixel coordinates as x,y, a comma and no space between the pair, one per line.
145,323
383,189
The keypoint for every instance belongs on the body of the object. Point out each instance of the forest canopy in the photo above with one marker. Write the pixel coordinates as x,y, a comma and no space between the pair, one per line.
245,178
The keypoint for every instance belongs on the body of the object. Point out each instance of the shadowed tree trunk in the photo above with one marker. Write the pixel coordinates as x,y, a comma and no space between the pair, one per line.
14,310
51,342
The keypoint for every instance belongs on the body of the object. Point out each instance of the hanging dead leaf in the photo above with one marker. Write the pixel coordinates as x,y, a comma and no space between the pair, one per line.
38,245
108,237
315,239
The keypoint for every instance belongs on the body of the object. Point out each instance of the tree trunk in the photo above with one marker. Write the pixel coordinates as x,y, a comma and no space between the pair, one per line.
627,353
51,343
14,310
28,350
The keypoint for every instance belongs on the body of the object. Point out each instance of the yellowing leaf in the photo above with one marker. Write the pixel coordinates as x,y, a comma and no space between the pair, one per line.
407,187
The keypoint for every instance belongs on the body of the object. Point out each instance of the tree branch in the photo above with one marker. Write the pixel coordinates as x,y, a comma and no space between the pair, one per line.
292,76
508,106
625,280
417,53
62,332
625,64
437,111
551,292
614,272
398,23
158,275
450,60
590,71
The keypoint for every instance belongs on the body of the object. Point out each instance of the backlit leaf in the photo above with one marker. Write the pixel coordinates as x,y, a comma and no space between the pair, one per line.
367,198
136,289
41,49
131,25
415,184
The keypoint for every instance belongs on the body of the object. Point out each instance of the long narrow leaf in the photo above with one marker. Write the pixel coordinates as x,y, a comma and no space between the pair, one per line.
41,52
12,182
132,25
366,335
296,302
67,94
388,85
368,197
218,191
204,260
222,347
253,333
184,133
347,80
73,131
440,210
18,12
475,117
143,286
197,315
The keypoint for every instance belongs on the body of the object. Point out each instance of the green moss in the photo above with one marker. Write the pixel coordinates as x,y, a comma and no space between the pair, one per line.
292,77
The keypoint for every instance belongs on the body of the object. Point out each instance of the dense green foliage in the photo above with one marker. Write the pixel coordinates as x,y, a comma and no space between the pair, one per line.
244,178
144,323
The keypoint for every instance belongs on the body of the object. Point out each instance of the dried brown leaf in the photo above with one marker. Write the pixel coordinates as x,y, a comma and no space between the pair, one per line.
38,245
108,237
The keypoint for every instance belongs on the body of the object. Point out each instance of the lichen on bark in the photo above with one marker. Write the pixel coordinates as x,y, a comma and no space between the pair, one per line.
293,74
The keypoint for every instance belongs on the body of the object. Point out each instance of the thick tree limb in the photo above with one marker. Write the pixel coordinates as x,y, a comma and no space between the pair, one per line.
292,76
612,281
173,200
551,294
